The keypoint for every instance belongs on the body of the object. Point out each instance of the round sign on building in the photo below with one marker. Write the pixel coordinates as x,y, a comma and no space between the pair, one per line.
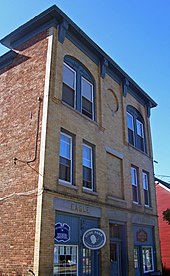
94,238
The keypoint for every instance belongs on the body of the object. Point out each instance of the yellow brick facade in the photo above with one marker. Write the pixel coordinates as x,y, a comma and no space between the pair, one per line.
112,169
50,203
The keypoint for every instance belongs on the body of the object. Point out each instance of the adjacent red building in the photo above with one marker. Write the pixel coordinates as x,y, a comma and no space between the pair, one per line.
163,202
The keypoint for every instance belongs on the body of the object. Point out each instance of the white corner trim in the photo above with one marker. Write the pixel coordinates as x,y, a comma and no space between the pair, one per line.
42,152
114,152
164,187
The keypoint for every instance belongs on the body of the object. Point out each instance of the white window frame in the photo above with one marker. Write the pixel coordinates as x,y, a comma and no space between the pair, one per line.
148,246
132,129
77,250
71,159
141,124
135,184
74,88
146,187
82,78
92,176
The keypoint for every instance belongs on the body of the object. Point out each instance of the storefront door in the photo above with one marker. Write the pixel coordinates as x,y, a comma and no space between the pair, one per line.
115,259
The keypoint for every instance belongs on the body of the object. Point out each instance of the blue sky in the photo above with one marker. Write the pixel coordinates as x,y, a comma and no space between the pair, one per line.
134,33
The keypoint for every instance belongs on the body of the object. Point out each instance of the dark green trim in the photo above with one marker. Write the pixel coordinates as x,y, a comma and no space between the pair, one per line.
7,59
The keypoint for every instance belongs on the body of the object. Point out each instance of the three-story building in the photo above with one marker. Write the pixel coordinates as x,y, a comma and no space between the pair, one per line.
78,194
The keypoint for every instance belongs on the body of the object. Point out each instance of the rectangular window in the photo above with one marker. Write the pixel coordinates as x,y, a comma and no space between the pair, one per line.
147,256
140,135
87,98
87,261
69,85
65,169
146,188
130,125
135,189
136,257
65,260
87,160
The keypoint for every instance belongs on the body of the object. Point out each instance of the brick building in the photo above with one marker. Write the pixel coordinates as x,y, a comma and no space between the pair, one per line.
76,155
163,203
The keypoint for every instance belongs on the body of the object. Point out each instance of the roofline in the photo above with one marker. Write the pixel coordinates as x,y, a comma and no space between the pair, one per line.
53,16
163,184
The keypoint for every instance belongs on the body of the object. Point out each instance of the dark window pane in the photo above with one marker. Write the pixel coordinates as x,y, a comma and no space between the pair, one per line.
140,142
135,193
131,136
113,252
68,95
115,230
146,196
87,178
64,169
87,107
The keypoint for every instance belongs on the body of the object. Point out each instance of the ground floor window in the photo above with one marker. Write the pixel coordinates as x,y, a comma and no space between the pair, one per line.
65,260
143,260
147,256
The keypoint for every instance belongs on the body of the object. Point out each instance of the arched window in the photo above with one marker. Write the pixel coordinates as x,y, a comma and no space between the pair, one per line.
78,87
136,129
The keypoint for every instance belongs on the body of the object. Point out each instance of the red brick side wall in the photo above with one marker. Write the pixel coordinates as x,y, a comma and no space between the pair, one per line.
21,84
163,202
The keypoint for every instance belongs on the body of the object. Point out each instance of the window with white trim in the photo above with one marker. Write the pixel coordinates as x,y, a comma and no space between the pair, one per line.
130,129
66,158
140,135
136,132
87,162
135,185
78,87
146,188
69,85
87,98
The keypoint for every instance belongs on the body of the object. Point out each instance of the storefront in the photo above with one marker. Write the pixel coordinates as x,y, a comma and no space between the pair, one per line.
144,251
71,255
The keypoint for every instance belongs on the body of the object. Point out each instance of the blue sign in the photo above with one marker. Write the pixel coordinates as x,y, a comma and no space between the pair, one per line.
94,238
62,232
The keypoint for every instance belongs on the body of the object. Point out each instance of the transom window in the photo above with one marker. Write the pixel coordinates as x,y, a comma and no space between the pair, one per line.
135,185
87,160
78,87
65,168
135,125
146,188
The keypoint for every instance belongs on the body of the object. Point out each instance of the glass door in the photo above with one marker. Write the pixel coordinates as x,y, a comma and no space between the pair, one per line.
65,260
